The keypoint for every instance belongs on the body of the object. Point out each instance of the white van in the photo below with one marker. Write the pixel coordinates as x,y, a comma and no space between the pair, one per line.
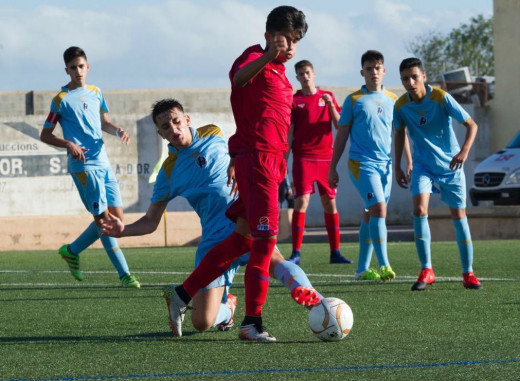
497,178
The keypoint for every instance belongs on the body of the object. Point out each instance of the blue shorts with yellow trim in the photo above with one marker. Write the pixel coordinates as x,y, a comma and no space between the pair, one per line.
373,181
98,189
451,186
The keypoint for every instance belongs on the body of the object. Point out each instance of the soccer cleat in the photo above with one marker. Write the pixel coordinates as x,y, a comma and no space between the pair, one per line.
336,257
386,273
255,332
306,296
72,260
176,309
425,278
295,257
471,282
130,280
232,304
369,274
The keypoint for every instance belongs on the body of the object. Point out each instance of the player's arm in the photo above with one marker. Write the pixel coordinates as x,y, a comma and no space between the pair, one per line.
147,224
111,128
400,140
339,147
290,140
333,112
408,154
471,132
277,44
75,151
232,181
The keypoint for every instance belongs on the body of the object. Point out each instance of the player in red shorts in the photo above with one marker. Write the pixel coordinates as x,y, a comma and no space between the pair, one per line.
261,99
310,138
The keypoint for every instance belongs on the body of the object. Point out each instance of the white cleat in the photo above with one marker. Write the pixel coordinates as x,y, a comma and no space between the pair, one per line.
176,309
253,332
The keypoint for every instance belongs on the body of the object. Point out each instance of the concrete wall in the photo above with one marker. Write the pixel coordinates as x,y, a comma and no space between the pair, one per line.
34,182
506,105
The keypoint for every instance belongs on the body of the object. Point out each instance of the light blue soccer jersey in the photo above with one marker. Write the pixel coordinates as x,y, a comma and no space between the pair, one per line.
370,115
79,114
430,128
199,174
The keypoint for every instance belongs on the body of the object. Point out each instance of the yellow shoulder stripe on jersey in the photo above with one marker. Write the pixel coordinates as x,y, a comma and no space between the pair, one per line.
92,88
58,98
354,97
389,94
402,101
209,130
437,95
169,163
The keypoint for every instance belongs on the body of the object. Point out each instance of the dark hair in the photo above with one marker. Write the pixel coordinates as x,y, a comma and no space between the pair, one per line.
73,52
372,55
165,105
303,63
408,63
286,18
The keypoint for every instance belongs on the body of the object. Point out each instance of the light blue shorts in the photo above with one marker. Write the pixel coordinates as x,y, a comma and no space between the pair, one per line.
206,245
452,186
373,181
98,189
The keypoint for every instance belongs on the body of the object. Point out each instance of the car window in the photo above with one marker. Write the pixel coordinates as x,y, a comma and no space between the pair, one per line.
515,143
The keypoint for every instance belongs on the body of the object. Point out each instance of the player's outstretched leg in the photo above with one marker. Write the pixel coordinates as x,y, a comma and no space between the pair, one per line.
176,309
72,261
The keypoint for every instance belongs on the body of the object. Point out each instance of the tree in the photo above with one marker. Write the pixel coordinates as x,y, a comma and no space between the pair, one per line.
468,45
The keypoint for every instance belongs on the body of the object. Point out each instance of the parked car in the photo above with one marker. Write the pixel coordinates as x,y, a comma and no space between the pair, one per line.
497,178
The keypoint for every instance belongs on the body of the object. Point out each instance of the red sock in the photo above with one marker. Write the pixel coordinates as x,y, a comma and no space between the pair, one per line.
257,275
298,227
216,262
332,225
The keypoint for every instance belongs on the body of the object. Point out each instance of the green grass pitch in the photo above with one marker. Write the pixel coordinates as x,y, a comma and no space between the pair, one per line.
55,328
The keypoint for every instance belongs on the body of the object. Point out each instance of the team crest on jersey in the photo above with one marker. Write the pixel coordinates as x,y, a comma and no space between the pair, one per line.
422,121
263,223
379,110
301,105
321,102
201,161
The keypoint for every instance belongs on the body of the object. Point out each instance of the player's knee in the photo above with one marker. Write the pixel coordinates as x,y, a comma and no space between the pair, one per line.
201,323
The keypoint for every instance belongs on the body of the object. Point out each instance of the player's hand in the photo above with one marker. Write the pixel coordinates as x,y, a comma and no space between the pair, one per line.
77,152
123,136
333,178
327,98
401,178
231,181
458,161
277,45
112,226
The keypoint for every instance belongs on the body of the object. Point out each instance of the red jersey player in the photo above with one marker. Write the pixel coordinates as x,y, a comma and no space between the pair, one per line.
310,138
261,98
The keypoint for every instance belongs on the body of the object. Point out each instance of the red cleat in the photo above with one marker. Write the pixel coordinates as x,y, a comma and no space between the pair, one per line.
471,282
306,296
425,278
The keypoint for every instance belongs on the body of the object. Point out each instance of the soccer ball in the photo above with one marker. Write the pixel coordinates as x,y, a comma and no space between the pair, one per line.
331,319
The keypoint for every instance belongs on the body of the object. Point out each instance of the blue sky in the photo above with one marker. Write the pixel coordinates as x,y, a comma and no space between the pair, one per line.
137,44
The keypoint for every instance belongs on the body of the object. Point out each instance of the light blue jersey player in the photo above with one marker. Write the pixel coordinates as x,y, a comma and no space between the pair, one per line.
427,114
197,169
366,117
82,112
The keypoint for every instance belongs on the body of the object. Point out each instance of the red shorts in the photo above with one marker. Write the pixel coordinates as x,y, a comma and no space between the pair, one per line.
306,172
258,175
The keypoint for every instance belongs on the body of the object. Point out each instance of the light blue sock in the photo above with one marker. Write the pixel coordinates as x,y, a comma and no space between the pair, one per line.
115,254
365,248
85,239
378,233
465,244
223,315
423,240
291,275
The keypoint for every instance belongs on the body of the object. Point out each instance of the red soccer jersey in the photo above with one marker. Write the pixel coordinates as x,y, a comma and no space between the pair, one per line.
312,126
262,108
